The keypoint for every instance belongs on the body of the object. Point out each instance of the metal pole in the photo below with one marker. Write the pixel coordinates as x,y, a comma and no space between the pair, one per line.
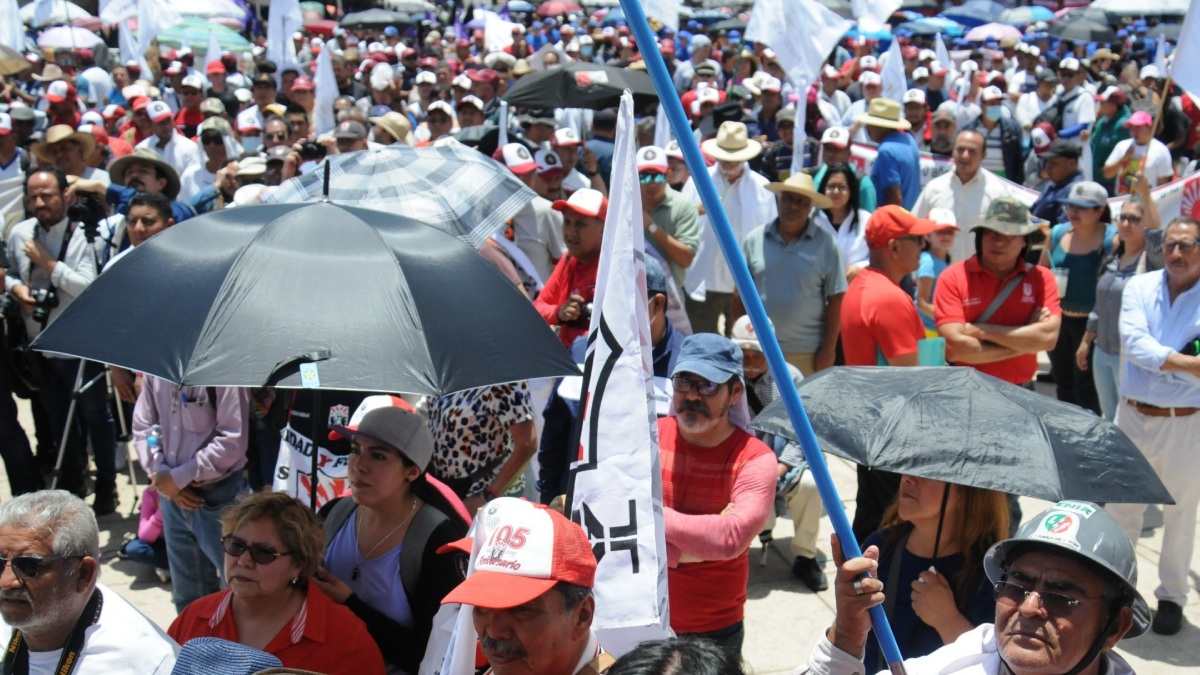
731,247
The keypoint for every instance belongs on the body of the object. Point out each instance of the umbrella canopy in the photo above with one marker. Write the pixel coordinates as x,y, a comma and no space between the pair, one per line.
613,17
209,9
556,7
881,34
581,85
948,27
961,426
193,33
1141,8
917,28
240,297
1167,30
321,26
1074,13
376,18
919,5
68,37
61,12
520,6
1023,16
1083,30
975,12
11,62
454,189
707,16
727,24
409,6
993,31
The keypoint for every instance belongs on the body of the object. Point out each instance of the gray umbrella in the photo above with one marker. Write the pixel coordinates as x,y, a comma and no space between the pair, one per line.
960,426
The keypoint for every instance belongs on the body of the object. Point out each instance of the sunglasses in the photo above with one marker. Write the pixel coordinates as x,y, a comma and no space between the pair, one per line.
277,136
29,566
1014,595
648,178
1184,247
705,388
259,553
1132,220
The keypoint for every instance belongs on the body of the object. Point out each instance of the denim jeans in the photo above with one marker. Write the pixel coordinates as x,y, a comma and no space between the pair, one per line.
194,541
91,415
1106,372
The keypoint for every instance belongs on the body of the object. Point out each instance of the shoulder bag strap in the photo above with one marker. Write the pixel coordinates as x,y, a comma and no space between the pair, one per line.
337,517
415,540
999,300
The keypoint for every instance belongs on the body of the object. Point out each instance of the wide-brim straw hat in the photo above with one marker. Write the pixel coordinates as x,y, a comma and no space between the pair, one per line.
802,184
61,133
884,112
147,156
732,144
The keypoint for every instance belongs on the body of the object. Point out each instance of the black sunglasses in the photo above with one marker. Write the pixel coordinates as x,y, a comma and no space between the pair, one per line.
704,387
259,553
648,178
277,136
1014,595
29,566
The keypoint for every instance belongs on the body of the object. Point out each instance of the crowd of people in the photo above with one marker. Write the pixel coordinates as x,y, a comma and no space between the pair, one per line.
972,214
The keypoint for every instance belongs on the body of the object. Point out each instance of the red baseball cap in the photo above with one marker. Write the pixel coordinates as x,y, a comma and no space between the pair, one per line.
303,83
585,202
892,222
520,551
516,158
483,75
215,67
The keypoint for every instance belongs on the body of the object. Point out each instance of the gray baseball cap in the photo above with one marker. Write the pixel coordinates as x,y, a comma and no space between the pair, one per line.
711,356
1007,215
401,429
1087,194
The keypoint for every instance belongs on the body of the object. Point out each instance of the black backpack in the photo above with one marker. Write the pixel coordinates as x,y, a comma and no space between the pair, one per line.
1054,114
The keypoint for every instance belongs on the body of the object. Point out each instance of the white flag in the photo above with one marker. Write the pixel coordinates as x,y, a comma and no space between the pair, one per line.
800,137
43,12
1187,52
873,15
666,11
213,53
285,19
1160,55
616,485
802,33
662,128
895,82
12,30
502,133
497,33
943,57
117,11
130,51
327,92
154,17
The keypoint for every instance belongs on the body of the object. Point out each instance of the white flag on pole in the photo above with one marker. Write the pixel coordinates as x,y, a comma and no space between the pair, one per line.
285,19
616,484
943,57
1160,55
666,11
117,11
12,31
1187,52
213,53
128,43
873,15
895,82
326,93
154,17
497,33
800,135
43,12
662,128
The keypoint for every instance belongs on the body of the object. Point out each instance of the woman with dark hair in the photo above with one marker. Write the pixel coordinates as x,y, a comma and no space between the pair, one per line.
677,656
845,219
931,545
1075,253
381,556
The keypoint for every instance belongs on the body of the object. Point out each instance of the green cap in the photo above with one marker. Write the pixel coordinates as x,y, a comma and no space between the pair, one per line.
1009,216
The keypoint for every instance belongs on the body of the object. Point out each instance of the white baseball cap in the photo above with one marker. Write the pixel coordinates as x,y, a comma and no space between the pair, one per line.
870,77
585,202
565,138
443,106
652,159
248,121
58,91
193,81
462,82
926,55
936,68
548,161
868,62
1069,63
771,84
175,68
92,117
158,111
969,66
914,96
945,218
673,151
1149,72
426,77
5,124
472,100
920,73
830,72
744,335
836,136
517,158
991,94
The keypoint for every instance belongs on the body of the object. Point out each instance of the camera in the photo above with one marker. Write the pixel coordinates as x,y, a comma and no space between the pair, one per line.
7,304
89,211
44,300
312,150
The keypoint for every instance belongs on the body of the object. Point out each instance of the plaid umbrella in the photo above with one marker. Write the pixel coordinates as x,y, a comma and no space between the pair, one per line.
454,189
193,33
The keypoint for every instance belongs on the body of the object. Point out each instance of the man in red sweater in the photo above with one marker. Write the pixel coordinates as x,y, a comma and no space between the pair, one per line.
566,299
718,484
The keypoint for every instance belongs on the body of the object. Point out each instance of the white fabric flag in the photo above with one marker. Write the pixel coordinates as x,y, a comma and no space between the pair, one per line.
662,128
153,18
128,43
666,11
943,57
43,12
1187,52
502,137
285,18
12,31
895,82
497,33
1160,54
116,11
213,52
800,135
326,93
616,484
873,15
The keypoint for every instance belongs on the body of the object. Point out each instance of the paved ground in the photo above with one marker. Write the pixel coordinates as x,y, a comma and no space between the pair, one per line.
783,617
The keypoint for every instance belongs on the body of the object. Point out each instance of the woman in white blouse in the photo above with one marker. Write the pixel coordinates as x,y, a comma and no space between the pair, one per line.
845,220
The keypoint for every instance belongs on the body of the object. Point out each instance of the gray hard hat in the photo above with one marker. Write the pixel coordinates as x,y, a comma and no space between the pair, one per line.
1080,530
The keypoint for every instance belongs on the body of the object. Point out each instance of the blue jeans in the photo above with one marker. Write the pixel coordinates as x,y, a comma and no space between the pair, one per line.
1106,372
154,554
194,541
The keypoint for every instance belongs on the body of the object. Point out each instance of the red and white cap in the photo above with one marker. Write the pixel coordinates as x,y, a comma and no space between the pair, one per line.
471,100
920,73
652,159
945,219
991,94
836,136
936,68
870,77
158,111
585,202
565,138
1041,137
248,121
520,552
830,72
5,124
914,96
868,62
771,84
368,404
548,161
92,117
673,151
175,68
193,81
112,111
517,158
59,91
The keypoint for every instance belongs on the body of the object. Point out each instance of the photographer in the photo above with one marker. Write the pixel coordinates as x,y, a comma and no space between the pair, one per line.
52,262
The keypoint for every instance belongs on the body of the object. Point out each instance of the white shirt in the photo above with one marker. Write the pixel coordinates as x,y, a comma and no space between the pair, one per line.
1080,110
969,201
194,180
1154,159
71,276
122,641
1029,106
839,99
537,231
850,236
100,85
575,181
13,169
180,152
1152,327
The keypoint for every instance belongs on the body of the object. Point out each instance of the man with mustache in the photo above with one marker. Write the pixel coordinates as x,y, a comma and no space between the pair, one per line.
54,615
531,592
718,484
1066,594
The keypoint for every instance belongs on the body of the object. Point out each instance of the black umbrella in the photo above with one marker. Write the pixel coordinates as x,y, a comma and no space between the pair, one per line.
919,5
727,25
581,85
961,426
376,18
1083,30
1167,30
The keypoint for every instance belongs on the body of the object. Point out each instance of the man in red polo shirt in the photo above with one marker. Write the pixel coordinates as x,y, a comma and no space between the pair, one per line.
999,337
880,326
566,299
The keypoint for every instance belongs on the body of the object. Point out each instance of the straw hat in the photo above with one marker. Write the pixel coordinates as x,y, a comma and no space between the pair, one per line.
732,144
397,126
60,133
50,73
884,112
802,184
146,156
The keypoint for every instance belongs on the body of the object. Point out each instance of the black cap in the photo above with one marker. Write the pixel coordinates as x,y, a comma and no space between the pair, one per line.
1064,148
264,78
608,115
1047,75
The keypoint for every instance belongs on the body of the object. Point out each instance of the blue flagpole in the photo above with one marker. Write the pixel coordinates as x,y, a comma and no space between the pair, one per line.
730,246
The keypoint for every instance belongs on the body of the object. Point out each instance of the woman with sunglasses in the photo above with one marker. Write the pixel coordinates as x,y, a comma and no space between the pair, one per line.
931,545
272,547
845,218
1076,252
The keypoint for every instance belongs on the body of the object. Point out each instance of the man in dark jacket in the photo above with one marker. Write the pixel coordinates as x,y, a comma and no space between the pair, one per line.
1002,137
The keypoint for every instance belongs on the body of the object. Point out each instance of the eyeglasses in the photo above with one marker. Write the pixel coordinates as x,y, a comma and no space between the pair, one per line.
1055,604
1184,247
837,187
1132,220
705,388
29,566
278,136
259,553
211,140
648,178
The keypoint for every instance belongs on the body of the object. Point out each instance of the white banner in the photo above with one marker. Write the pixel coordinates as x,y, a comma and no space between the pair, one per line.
293,469
616,483
895,81
327,92
497,33
154,17
12,31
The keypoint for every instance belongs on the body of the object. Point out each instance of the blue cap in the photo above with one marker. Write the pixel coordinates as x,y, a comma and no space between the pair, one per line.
378,110
711,356
656,276
391,31
735,36
537,24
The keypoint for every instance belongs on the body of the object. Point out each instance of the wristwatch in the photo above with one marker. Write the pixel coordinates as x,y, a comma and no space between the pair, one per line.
653,227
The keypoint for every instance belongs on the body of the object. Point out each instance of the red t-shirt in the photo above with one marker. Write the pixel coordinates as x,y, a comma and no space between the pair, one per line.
964,291
568,278
187,122
878,317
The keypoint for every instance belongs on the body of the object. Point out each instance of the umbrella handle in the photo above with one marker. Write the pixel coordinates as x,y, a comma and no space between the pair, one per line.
325,187
277,374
